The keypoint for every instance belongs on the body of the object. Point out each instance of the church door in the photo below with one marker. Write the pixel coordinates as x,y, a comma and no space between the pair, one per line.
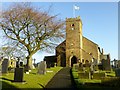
73,60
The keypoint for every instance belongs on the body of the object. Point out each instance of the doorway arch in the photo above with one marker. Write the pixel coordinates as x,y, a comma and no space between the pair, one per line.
73,60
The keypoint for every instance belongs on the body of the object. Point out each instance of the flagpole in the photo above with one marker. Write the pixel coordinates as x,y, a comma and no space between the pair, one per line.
73,11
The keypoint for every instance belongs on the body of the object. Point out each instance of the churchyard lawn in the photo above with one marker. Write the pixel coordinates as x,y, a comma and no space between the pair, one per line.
33,80
85,84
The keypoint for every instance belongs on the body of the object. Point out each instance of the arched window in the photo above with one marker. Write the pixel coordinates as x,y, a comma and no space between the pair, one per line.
86,62
82,60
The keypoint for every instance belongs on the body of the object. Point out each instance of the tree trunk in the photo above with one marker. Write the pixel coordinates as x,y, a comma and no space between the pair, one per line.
29,64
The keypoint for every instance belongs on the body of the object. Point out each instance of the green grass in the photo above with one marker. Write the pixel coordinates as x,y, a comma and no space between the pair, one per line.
89,81
75,75
33,80
85,84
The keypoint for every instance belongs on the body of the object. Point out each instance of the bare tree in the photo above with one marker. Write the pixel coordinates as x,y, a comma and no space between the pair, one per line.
11,52
31,29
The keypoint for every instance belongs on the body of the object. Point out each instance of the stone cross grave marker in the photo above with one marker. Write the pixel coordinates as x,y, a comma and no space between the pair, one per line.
5,65
42,67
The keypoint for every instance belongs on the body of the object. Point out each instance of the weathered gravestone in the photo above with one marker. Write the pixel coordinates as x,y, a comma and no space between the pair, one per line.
42,67
99,75
81,68
117,72
91,70
5,65
55,64
76,67
118,64
84,75
18,74
48,65
106,63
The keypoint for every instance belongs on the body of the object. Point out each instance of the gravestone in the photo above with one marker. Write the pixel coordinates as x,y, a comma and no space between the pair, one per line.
85,75
18,74
95,67
99,75
5,65
91,70
55,64
76,67
81,67
117,72
42,67
106,63
118,64
48,65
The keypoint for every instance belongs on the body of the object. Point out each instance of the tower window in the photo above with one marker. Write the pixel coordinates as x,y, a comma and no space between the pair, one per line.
82,60
72,25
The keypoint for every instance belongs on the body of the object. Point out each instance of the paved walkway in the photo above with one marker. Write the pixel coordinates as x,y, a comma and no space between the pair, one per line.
63,79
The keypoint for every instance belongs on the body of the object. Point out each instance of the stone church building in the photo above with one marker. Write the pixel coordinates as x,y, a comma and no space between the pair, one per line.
76,48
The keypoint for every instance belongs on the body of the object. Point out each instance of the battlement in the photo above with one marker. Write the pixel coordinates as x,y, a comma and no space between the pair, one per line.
73,19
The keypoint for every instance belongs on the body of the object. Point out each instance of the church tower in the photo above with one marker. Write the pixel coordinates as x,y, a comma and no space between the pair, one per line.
73,41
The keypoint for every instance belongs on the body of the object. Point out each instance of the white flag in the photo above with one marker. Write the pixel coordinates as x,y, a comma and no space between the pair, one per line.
76,7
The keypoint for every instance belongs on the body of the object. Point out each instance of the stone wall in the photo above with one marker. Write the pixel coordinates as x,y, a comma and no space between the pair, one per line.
76,45
73,38
89,47
60,54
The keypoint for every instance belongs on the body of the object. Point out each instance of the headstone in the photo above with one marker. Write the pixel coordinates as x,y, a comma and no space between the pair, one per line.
81,67
92,67
104,64
48,65
118,63
42,67
18,75
95,67
76,67
117,72
17,64
5,66
85,75
92,70
55,64
99,75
